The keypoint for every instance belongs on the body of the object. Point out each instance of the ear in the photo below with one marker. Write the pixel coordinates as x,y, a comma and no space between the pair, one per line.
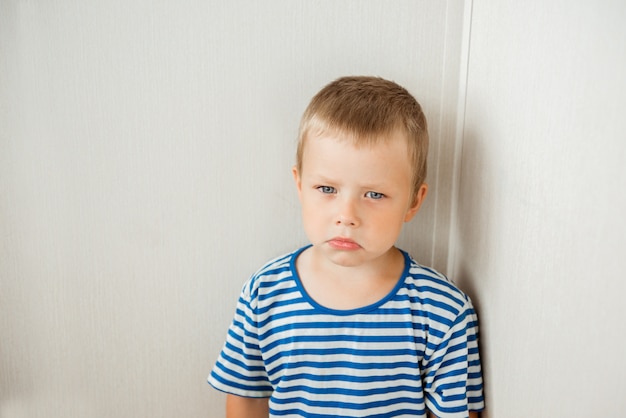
297,179
420,195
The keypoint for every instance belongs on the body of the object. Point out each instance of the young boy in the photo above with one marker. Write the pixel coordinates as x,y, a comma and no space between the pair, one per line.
351,326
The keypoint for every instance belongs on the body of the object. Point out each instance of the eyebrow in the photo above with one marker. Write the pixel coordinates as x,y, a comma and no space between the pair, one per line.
321,178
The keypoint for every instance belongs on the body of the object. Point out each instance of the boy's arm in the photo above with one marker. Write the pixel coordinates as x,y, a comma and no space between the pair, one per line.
240,407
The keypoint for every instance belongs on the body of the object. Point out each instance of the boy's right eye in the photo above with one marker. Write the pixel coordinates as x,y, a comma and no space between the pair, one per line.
326,189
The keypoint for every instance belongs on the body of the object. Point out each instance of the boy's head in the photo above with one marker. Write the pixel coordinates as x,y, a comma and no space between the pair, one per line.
368,110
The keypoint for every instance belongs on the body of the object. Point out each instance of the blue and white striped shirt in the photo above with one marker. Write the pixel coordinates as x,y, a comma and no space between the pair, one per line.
416,349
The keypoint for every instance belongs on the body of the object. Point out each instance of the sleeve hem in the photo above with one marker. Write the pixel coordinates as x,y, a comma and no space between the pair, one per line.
238,392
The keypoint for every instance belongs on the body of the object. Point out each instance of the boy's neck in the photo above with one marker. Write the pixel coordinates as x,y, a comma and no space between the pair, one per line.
349,287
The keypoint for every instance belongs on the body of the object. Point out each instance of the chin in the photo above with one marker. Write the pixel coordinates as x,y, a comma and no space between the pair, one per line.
347,258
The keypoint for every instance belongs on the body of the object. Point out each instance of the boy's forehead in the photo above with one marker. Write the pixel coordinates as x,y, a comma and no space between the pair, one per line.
358,140
336,148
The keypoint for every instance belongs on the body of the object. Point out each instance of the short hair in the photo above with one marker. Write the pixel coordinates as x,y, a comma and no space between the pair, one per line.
366,109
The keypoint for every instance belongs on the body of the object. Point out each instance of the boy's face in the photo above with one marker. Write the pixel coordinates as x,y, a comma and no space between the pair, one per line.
355,199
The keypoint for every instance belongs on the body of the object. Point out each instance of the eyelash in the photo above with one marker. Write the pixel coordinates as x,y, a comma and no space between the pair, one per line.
326,189
332,190
372,194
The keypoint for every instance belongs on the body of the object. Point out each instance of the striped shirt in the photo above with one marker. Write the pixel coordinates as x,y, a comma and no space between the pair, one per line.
414,350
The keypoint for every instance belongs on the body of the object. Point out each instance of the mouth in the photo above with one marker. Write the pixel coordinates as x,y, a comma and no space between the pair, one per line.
341,243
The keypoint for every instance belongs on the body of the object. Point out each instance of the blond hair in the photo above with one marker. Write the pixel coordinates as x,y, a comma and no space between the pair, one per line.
368,109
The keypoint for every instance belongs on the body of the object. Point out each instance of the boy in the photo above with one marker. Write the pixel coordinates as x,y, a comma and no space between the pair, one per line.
351,326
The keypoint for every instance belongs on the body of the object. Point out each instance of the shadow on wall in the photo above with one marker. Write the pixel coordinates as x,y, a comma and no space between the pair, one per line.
473,220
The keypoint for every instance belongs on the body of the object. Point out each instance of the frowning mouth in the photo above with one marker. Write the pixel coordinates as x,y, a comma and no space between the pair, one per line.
341,243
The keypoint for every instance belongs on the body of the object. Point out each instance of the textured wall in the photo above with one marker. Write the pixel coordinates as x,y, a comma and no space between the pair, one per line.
145,155
540,236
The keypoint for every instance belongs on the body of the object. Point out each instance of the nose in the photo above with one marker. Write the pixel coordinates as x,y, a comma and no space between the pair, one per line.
347,215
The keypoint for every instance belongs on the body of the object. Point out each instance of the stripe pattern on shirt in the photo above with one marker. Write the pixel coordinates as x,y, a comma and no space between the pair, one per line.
413,350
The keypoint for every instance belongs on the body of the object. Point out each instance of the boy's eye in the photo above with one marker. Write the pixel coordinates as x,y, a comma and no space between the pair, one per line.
374,195
326,189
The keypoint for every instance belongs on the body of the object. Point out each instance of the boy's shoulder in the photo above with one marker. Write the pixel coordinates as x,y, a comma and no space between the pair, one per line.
418,280
428,283
272,273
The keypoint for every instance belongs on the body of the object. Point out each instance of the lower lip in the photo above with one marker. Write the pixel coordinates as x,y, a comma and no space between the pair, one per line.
343,245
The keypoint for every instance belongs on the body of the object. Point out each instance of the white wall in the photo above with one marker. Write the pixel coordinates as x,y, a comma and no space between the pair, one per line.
540,232
145,146
145,155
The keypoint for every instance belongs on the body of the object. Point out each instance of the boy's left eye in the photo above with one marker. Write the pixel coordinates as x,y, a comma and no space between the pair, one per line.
374,195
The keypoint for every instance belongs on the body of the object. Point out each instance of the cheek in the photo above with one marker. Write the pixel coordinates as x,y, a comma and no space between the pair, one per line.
391,220
313,204
310,213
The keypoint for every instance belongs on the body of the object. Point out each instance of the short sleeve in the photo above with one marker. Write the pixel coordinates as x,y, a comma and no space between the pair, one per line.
239,369
452,374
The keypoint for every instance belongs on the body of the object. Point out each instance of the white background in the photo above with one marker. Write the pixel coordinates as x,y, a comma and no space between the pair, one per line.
145,155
